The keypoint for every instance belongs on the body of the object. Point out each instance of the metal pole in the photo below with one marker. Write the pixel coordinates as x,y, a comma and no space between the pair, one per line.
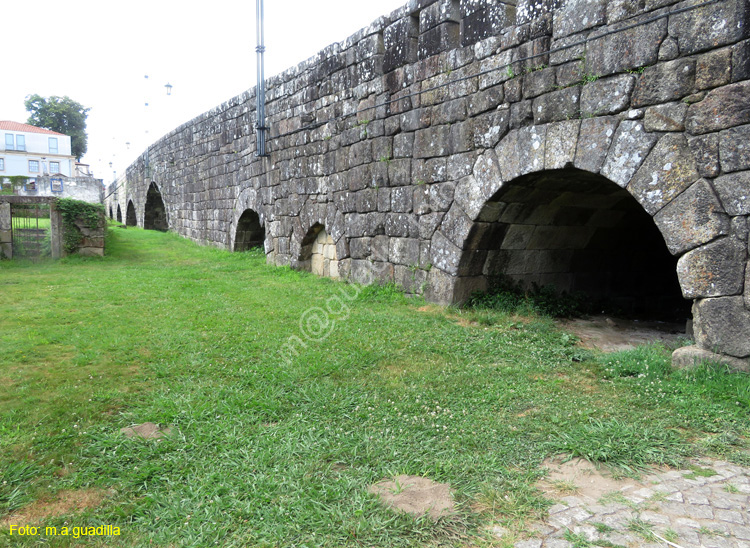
260,89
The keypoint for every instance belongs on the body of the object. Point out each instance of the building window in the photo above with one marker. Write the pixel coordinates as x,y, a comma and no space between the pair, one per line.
9,142
20,142
53,145
33,166
54,167
2,164
56,185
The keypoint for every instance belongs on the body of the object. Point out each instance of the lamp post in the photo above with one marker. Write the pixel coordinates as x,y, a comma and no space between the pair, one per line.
260,89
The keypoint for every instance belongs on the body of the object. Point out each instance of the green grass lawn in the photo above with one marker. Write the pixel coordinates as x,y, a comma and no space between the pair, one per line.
277,448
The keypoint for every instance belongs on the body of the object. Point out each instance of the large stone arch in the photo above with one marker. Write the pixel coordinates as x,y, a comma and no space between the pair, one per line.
657,170
130,216
154,211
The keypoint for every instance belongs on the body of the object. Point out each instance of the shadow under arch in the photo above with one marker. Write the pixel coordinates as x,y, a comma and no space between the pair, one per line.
119,214
318,253
155,214
130,218
111,213
250,232
579,232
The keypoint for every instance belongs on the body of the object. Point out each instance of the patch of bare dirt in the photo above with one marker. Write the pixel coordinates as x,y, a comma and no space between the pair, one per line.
580,478
64,502
416,495
613,334
147,431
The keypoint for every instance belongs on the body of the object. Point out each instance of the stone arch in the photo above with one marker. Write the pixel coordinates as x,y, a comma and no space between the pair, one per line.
313,217
248,210
130,218
119,214
249,233
658,172
657,169
318,253
578,232
154,213
111,215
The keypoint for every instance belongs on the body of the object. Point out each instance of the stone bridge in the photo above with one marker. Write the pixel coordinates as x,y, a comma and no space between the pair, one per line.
596,145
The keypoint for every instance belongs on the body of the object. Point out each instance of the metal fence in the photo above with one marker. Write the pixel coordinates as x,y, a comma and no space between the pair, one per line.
30,225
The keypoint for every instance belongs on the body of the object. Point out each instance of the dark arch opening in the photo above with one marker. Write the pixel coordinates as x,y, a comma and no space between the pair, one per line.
155,214
130,219
119,214
580,233
318,253
111,216
250,232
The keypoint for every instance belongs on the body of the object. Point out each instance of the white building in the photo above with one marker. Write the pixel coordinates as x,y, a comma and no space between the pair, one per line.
34,152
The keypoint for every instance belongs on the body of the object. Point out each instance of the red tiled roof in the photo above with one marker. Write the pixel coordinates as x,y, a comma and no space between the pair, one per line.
16,126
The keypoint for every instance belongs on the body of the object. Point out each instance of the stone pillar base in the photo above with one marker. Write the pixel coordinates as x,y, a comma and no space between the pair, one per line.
690,356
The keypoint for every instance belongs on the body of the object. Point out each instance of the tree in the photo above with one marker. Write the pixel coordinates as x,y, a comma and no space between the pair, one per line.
61,114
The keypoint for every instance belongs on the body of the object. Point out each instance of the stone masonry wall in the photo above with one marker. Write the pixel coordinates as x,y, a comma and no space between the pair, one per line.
406,141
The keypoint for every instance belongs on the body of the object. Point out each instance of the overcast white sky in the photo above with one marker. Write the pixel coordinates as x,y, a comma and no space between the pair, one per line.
97,52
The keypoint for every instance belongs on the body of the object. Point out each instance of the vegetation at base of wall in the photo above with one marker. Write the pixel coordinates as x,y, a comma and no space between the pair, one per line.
75,212
509,295
278,449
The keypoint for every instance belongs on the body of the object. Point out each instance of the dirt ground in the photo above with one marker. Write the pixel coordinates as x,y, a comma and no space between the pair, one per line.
612,334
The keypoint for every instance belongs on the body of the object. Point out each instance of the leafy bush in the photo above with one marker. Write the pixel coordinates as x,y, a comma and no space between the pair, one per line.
75,212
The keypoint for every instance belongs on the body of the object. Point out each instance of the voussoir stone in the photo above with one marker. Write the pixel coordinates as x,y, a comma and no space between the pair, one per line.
630,146
713,270
734,192
723,323
693,218
594,139
668,170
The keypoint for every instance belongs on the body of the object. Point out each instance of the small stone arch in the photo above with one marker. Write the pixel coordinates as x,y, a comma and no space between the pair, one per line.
318,253
248,210
111,216
119,214
249,233
155,214
130,218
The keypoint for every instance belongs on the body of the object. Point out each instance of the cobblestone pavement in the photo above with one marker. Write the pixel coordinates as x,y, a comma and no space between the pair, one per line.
707,506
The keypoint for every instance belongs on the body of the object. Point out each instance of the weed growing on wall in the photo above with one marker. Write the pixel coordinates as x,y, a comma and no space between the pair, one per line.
76,213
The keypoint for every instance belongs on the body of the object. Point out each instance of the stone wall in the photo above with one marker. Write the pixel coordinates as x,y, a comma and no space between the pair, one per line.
454,141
